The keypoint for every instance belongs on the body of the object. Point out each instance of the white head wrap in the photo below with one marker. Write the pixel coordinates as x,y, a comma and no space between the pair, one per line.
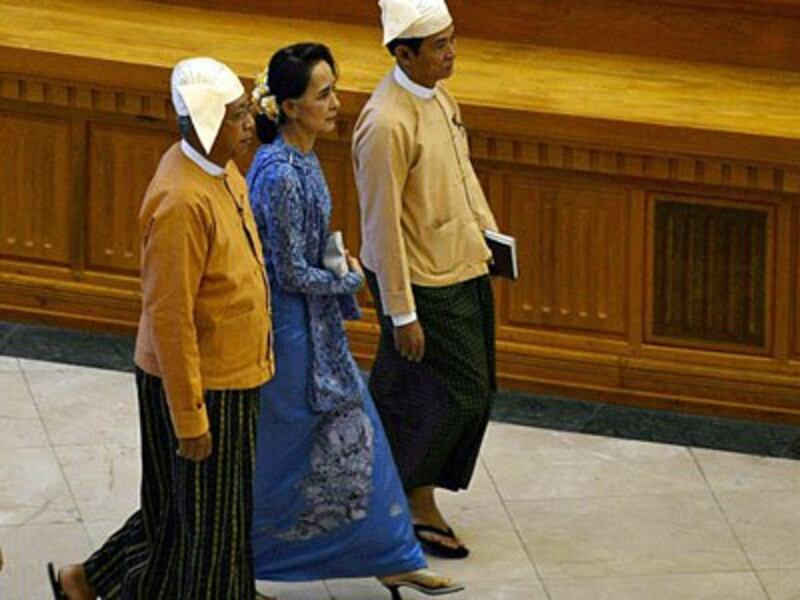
413,18
201,88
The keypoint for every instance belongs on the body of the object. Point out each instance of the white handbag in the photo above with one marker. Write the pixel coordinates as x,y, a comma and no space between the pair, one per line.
335,259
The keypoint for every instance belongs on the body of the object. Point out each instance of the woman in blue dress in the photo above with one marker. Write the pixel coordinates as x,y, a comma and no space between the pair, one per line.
328,502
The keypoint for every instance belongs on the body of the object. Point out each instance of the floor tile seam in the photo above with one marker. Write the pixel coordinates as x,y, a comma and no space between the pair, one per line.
328,590
787,569
517,532
730,526
6,526
763,585
92,546
663,442
78,520
92,444
38,411
756,490
43,423
651,574
52,449
682,493
25,447
552,580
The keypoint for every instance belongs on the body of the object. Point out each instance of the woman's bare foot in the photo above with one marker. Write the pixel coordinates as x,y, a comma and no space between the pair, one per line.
422,579
75,584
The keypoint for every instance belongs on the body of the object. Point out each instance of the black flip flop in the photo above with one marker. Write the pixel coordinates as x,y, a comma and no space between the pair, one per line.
438,549
55,583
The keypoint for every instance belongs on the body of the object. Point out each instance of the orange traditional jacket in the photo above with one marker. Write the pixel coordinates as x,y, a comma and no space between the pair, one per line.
205,322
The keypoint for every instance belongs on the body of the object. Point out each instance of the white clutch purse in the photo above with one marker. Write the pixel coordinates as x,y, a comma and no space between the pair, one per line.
335,259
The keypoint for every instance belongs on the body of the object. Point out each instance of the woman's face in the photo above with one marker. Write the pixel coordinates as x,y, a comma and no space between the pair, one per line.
317,109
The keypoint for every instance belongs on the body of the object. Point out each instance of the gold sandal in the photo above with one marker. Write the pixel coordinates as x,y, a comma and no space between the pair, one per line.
412,580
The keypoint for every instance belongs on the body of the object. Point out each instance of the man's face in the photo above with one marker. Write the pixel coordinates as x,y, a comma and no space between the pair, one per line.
237,131
434,61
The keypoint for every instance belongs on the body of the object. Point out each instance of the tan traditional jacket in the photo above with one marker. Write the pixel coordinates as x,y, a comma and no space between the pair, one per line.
422,207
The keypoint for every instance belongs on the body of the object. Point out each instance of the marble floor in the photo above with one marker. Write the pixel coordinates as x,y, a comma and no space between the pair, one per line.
552,514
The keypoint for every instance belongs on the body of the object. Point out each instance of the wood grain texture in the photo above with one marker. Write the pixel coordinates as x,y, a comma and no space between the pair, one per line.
36,184
762,33
711,280
572,244
505,88
122,161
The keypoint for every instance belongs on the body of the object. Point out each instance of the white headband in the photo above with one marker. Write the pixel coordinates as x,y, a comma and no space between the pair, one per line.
413,18
201,89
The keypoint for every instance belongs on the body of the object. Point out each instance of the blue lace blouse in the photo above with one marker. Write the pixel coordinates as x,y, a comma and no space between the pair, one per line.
292,208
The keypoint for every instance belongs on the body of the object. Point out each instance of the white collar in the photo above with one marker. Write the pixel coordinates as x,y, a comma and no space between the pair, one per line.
404,81
201,161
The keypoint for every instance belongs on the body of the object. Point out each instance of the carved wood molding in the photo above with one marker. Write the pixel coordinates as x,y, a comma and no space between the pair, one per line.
544,153
81,96
588,158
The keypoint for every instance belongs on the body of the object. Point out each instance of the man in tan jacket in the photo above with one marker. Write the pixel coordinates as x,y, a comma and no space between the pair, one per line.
423,214
202,351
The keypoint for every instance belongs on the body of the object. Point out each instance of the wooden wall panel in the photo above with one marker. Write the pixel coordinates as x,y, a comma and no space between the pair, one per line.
794,317
762,33
335,159
122,161
712,270
36,185
574,191
573,248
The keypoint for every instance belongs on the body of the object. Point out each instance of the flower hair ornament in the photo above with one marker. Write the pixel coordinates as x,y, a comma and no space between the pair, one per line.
265,100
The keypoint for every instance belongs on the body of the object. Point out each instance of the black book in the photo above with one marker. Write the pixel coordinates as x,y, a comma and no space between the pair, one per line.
504,254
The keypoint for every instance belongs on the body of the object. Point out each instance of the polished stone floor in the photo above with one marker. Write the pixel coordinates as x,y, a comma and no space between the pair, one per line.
115,352
559,515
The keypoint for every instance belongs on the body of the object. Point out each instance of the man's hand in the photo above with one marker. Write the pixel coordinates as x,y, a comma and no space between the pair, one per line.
409,341
196,449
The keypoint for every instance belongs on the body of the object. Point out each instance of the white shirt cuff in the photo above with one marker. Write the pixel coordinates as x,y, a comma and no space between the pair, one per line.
401,320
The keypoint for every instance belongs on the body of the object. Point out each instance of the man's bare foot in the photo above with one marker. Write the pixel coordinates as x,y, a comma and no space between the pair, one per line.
424,511
75,584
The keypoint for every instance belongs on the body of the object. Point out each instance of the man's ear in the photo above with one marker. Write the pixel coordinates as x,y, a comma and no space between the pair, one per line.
403,55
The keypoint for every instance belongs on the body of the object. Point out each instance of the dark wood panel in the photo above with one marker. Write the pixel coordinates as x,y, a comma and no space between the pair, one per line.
710,272
36,187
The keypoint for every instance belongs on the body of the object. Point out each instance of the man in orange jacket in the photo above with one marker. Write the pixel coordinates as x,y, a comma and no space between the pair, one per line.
202,351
